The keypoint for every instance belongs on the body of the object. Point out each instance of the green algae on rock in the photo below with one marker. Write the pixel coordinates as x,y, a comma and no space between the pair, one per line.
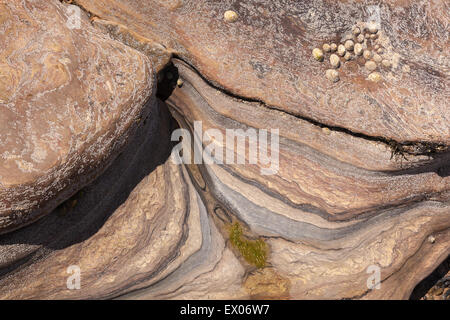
253,251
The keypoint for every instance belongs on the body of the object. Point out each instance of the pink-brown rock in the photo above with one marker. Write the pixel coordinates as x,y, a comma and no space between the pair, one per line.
69,99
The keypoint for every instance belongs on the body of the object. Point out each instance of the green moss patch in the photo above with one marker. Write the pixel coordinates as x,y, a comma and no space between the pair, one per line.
253,251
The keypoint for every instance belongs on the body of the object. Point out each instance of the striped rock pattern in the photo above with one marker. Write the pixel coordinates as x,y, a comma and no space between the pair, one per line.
359,177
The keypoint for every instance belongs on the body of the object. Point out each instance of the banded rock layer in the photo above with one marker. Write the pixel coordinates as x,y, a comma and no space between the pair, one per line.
359,177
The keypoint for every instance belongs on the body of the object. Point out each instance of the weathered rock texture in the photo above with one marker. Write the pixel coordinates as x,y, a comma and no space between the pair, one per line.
266,54
69,99
362,178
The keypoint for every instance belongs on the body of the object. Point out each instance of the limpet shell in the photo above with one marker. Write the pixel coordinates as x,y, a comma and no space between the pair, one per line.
317,54
377,58
332,75
334,61
374,76
370,65
367,54
349,44
358,49
372,27
341,50
230,16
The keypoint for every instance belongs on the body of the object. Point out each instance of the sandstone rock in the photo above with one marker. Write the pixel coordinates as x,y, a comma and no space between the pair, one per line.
105,235
302,216
69,100
360,179
246,59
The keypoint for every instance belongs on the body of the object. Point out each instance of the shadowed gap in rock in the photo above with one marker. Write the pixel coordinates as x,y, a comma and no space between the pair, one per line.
148,148
426,284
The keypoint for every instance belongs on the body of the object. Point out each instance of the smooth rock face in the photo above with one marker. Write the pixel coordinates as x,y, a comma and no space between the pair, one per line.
69,98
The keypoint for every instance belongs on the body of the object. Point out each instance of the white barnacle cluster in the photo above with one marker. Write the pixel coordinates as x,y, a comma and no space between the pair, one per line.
363,45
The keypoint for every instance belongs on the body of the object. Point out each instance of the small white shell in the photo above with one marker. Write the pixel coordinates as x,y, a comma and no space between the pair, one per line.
230,16
372,27
358,49
317,54
374,76
334,61
370,65
341,50
332,75
349,45
377,58
367,54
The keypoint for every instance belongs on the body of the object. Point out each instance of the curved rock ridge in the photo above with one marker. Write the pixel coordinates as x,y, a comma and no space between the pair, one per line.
327,216
141,225
150,229
265,54
70,97
340,180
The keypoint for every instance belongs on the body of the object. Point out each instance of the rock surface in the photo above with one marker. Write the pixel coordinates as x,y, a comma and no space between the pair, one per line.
326,220
142,224
360,181
69,100
265,54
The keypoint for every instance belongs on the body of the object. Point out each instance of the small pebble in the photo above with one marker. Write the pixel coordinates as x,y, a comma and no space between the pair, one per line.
380,51
360,38
326,47
333,47
180,83
367,54
317,54
348,56
377,58
358,49
326,131
374,76
230,16
332,75
386,63
370,65
334,61
356,31
431,239
376,47
373,36
349,45
341,50
372,27
367,36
